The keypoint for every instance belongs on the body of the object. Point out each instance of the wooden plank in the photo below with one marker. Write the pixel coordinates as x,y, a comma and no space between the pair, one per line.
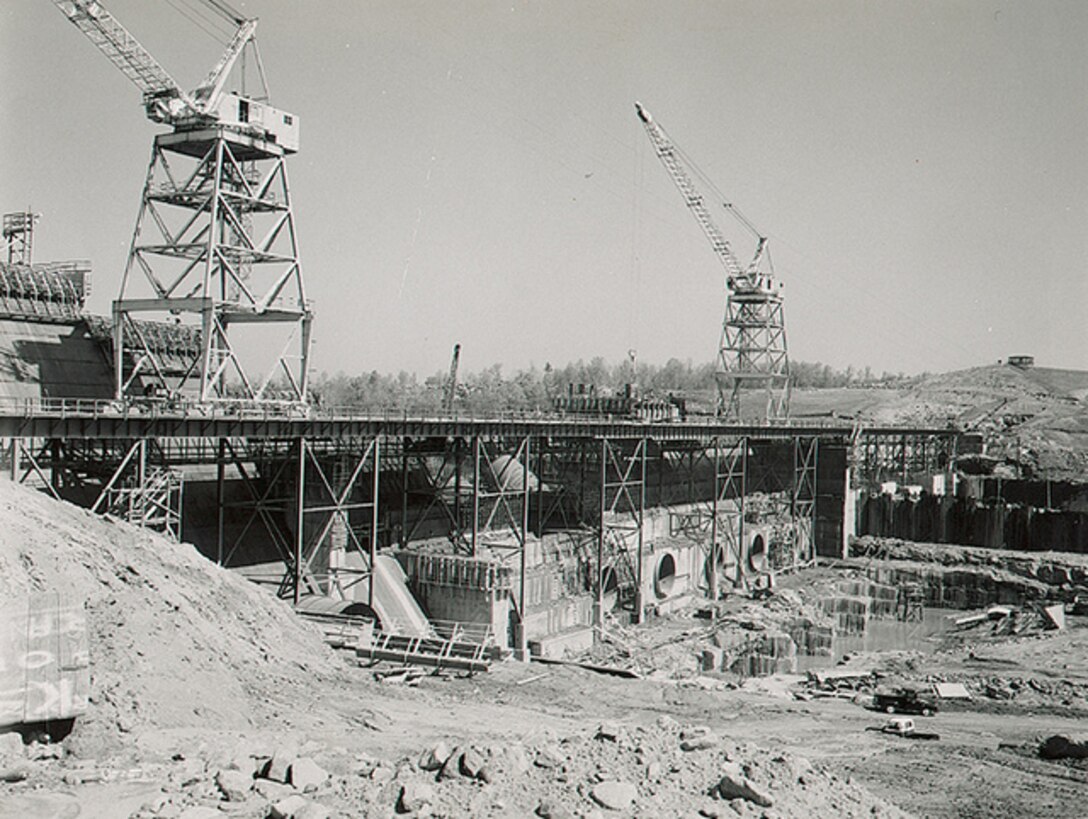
44,665
13,627
611,670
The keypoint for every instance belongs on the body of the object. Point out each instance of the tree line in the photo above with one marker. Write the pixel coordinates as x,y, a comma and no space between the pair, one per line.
532,389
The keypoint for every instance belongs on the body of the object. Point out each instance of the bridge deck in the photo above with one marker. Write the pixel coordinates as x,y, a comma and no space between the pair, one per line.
101,420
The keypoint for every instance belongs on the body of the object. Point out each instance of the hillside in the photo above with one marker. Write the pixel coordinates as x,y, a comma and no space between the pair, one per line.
1035,419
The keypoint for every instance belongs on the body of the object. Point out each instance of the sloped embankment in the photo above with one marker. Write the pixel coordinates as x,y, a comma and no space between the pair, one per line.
175,641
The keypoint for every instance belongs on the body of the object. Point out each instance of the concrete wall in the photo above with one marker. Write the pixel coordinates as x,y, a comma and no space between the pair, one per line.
40,360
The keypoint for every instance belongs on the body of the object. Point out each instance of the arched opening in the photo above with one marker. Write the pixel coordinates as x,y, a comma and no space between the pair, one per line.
757,554
665,576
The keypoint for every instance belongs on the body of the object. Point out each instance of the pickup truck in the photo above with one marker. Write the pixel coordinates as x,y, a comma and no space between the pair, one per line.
903,727
905,701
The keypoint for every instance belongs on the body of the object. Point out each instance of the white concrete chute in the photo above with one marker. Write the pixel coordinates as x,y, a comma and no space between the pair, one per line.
610,594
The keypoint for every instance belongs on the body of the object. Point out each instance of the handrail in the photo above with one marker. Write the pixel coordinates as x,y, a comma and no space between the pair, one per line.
238,409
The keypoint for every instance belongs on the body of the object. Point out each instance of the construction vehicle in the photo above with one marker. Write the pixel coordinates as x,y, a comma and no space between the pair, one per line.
903,727
905,701
752,353
449,391
215,245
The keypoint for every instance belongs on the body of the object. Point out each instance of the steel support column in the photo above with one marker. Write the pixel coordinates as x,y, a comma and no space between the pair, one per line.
622,473
727,510
803,498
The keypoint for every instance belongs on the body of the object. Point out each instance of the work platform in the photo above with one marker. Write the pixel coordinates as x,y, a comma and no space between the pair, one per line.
327,494
104,419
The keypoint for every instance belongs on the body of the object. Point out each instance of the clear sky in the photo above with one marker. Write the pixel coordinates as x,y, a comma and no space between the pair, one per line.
474,172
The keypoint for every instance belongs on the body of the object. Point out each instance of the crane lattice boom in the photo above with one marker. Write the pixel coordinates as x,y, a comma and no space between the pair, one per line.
740,279
126,52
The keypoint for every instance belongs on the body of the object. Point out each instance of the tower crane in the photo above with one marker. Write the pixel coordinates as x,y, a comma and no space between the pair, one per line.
215,245
752,352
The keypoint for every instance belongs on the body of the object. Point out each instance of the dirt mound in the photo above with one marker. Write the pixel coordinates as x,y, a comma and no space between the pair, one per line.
175,641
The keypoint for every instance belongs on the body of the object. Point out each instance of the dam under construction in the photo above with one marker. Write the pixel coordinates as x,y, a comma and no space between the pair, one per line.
235,584
527,528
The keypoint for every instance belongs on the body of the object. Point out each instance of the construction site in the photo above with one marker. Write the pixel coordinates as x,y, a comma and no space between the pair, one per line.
224,596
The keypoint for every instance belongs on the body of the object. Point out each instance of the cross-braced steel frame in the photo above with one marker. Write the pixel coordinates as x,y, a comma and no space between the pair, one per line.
312,489
803,500
752,354
727,510
128,480
215,243
882,456
317,502
622,511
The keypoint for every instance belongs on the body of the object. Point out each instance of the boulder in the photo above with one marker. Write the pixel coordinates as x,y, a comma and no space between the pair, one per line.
614,794
698,743
435,757
272,791
1062,747
413,796
289,808
278,766
382,772
667,723
549,757
734,785
11,746
515,759
451,769
695,731
472,761
608,731
307,775
234,785
549,809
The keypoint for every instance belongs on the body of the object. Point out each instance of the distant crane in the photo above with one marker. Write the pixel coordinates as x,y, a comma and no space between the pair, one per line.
215,237
449,392
752,352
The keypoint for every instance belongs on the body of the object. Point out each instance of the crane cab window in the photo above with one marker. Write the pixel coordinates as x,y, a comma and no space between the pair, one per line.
243,110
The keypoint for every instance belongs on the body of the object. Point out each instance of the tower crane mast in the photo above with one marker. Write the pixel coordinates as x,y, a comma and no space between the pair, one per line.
752,352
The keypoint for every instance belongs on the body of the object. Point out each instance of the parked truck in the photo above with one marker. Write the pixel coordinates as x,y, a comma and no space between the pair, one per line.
905,701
